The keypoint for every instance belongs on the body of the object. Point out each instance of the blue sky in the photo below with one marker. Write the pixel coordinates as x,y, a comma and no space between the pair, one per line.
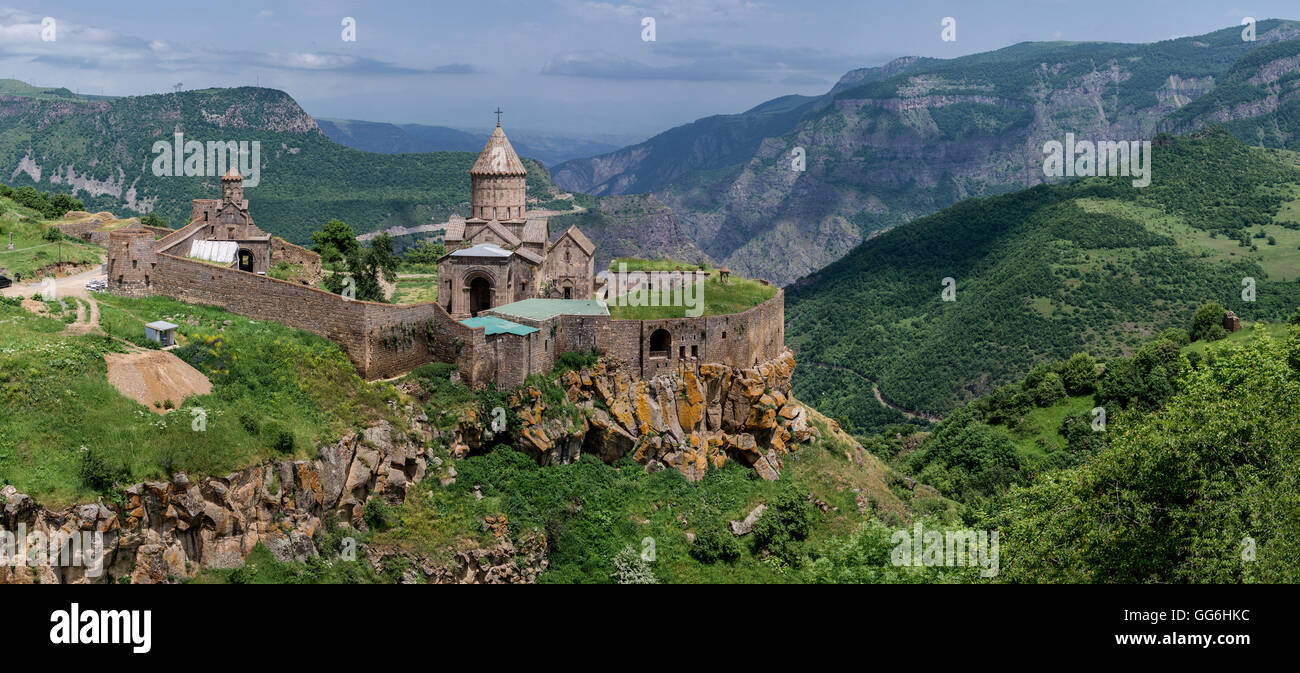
561,65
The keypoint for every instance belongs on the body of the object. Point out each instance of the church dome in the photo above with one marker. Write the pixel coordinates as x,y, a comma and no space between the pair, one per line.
498,157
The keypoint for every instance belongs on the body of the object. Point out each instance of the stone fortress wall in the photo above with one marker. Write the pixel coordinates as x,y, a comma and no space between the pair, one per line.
737,340
386,340
382,340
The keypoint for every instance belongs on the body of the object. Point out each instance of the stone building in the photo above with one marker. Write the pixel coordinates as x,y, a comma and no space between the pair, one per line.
511,300
230,237
500,255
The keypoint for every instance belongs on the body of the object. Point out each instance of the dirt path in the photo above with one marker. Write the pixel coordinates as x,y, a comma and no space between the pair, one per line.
875,390
67,286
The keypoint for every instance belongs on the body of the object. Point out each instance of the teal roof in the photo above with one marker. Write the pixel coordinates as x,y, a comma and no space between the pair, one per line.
494,325
541,309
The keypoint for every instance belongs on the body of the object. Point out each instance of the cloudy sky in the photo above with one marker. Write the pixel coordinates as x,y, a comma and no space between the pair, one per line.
562,65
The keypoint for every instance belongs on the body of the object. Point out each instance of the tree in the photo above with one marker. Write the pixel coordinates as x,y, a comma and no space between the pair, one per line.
60,204
1036,376
335,242
153,220
1079,375
1207,324
53,235
426,252
366,266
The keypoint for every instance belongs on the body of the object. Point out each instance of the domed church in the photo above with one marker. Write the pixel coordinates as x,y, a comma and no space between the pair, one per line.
501,254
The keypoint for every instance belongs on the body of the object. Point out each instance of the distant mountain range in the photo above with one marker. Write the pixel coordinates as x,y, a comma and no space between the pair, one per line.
887,145
549,148
884,146
102,150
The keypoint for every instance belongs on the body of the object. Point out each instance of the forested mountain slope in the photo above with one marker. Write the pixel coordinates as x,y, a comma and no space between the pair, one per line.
1096,265
891,144
101,151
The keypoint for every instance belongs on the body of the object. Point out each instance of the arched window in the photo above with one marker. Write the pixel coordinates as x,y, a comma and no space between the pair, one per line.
660,342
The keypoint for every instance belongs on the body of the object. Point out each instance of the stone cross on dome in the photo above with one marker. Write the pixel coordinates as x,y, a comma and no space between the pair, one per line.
498,114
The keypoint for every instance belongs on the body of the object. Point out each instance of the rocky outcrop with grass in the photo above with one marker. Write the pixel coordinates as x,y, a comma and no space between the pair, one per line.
167,531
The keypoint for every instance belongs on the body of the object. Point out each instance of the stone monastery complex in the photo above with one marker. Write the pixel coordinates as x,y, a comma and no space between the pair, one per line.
510,299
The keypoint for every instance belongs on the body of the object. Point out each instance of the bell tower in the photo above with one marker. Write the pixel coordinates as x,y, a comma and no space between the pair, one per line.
497,181
232,186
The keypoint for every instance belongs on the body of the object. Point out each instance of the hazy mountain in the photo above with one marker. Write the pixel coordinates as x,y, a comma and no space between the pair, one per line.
549,148
888,145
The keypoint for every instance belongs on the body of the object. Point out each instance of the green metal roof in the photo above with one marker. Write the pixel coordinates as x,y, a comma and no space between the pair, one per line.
541,309
494,325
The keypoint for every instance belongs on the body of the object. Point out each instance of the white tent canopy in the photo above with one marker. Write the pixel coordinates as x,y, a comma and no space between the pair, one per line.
221,252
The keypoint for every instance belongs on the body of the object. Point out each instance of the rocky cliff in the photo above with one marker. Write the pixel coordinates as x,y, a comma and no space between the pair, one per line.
166,531
887,145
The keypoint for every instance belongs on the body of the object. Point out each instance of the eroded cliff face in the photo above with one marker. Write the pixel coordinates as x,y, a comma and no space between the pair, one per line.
684,420
166,531
878,156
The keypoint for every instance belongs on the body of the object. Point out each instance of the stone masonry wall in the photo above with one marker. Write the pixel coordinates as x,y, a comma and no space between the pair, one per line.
385,340
736,340
131,262
382,340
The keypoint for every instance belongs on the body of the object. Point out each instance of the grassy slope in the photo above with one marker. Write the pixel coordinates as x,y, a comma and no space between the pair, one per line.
267,379
737,295
1172,494
32,253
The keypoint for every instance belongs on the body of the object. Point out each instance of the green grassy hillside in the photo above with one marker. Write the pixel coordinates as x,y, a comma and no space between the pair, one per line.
66,433
1203,490
32,253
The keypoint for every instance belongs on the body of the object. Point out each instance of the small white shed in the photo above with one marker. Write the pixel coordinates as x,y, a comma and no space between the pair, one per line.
161,332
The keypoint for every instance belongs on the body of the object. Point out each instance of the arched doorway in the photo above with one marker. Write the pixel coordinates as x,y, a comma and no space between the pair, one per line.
245,260
480,295
660,342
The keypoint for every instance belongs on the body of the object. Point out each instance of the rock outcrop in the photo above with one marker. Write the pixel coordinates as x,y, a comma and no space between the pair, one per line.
166,531
685,420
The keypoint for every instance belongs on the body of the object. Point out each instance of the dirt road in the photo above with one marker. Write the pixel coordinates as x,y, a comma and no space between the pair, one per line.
68,286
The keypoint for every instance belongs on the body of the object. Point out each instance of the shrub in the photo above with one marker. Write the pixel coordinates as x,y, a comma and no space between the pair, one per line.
1207,324
436,371
1079,375
576,360
714,543
1049,390
282,439
249,423
784,525
95,472
630,568
379,515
